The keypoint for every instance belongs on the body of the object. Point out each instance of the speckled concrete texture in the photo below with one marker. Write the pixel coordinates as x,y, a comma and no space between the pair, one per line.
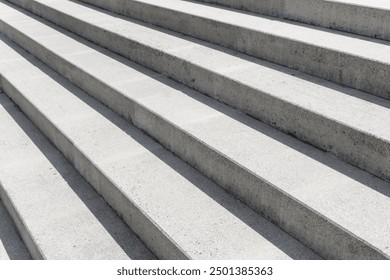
165,201
57,213
357,62
286,99
11,245
167,153
365,17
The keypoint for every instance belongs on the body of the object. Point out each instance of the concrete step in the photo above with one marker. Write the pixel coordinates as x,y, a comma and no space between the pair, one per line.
351,124
175,210
57,213
332,207
365,17
358,62
11,245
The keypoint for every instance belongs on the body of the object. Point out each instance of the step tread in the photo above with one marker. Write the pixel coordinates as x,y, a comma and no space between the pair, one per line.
276,5
175,196
181,5
364,112
319,180
378,4
63,215
372,49
11,245
362,17
333,60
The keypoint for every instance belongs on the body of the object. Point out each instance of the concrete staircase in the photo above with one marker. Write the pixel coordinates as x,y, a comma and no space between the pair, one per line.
184,130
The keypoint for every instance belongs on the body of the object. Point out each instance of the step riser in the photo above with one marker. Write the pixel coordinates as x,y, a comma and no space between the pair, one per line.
180,187
356,19
152,236
16,218
24,233
62,215
324,237
358,148
345,69
258,194
266,7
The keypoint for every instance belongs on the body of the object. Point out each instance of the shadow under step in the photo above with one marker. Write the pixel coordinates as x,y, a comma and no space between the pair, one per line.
355,61
58,215
11,244
175,210
365,17
351,124
295,185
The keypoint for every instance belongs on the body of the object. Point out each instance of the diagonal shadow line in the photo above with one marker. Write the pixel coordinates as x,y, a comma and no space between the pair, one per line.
298,22
10,238
290,22
238,209
131,245
271,65
354,173
328,160
344,168
244,213
280,68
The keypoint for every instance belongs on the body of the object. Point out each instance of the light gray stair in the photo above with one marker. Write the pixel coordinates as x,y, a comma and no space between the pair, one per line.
357,62
336,209
353,125
176,211
11,245
57,213
365,17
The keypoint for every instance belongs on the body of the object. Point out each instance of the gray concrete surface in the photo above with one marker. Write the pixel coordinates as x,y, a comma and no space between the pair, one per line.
58,215
353,61
314,191
11,245
292,102
364,17
336,209
174,209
